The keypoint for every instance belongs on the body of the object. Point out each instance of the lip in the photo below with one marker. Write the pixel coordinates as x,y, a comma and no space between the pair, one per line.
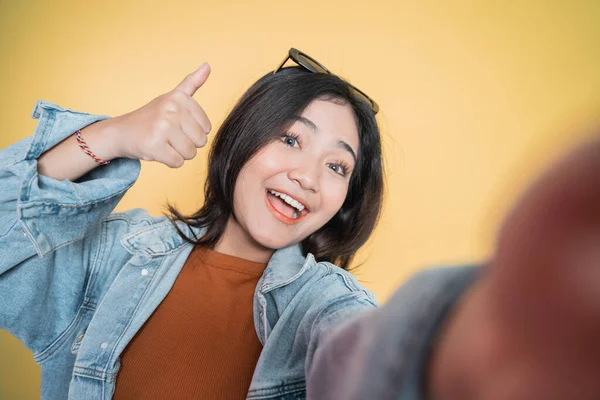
280,216
302,201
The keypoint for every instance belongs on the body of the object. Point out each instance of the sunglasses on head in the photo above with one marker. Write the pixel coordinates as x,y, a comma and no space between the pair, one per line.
312,65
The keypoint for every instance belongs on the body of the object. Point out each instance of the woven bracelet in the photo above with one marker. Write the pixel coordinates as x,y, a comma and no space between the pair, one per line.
87,150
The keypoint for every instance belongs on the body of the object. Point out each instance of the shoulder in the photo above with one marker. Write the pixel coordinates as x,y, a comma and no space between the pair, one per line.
328,294
343,283
328,283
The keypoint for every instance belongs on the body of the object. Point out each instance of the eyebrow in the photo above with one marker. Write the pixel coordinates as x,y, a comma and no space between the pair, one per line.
313,127
347,147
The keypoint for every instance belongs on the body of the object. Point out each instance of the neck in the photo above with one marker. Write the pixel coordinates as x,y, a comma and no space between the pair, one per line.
236,242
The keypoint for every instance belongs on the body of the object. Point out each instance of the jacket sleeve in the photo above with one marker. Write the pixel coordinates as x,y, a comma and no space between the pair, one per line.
339,310
383,354
48,228
341,313
339,369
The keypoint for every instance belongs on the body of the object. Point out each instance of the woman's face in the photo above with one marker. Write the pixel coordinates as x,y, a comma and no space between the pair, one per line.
295,184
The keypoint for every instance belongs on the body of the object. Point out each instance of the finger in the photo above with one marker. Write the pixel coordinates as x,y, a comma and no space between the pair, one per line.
198,113
170,157
195,80
192,129
183,145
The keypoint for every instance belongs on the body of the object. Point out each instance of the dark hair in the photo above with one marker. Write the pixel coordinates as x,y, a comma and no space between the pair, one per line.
262,114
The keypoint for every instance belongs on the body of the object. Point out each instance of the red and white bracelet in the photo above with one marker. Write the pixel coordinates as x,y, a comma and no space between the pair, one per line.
87,150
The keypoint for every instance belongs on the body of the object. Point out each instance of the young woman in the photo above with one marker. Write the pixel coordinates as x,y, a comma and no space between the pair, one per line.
229,302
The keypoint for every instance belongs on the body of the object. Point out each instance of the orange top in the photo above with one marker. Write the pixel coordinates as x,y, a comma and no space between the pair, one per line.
200,343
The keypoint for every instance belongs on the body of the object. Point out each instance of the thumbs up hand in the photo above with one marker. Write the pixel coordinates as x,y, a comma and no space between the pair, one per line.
169,129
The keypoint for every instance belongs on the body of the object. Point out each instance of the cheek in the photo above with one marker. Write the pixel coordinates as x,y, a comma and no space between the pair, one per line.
268,161
271,160
243,190
333,197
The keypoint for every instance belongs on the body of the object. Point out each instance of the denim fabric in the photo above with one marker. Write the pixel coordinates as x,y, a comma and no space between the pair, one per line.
383,354
77,281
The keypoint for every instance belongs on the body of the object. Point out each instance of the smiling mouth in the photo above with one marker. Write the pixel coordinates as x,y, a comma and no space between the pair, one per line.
284,208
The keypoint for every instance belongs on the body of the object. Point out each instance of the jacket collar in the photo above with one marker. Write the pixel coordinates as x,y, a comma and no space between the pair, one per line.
284,267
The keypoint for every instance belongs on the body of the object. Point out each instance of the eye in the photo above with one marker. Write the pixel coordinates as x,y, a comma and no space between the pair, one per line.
340,168
290,139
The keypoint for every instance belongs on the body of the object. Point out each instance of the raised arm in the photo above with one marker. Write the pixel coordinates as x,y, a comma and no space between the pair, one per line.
55,201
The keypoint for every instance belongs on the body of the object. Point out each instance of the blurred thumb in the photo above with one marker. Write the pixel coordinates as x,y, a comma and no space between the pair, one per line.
565,200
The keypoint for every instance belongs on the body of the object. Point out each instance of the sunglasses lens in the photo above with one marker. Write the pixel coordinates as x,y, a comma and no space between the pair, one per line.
313,66
360,95
310,64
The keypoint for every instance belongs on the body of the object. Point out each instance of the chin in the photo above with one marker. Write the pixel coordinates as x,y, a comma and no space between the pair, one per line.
269,242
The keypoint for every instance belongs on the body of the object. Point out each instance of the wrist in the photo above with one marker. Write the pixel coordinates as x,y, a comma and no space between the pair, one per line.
102,138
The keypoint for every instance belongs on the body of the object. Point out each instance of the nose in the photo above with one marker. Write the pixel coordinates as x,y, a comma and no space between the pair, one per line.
307,176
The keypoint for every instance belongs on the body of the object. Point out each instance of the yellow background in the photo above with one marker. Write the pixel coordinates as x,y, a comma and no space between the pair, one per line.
476,97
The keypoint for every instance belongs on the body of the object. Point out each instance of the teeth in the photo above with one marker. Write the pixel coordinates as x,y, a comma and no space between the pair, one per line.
289,200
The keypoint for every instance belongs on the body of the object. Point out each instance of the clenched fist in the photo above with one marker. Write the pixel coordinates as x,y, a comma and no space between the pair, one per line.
169,129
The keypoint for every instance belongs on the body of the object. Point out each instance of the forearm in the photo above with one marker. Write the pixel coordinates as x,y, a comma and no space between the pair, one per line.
67,160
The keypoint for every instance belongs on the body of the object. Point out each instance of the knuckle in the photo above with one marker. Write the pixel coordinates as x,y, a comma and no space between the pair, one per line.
156,148
178,95
162,127
170,104
191,153
178,163
153,147
147,145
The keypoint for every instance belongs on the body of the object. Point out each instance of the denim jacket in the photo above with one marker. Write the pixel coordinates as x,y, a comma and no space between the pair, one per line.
77,281
384,354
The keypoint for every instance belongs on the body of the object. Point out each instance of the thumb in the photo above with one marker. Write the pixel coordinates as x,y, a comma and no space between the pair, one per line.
548,249
565,199
193,81
545,275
